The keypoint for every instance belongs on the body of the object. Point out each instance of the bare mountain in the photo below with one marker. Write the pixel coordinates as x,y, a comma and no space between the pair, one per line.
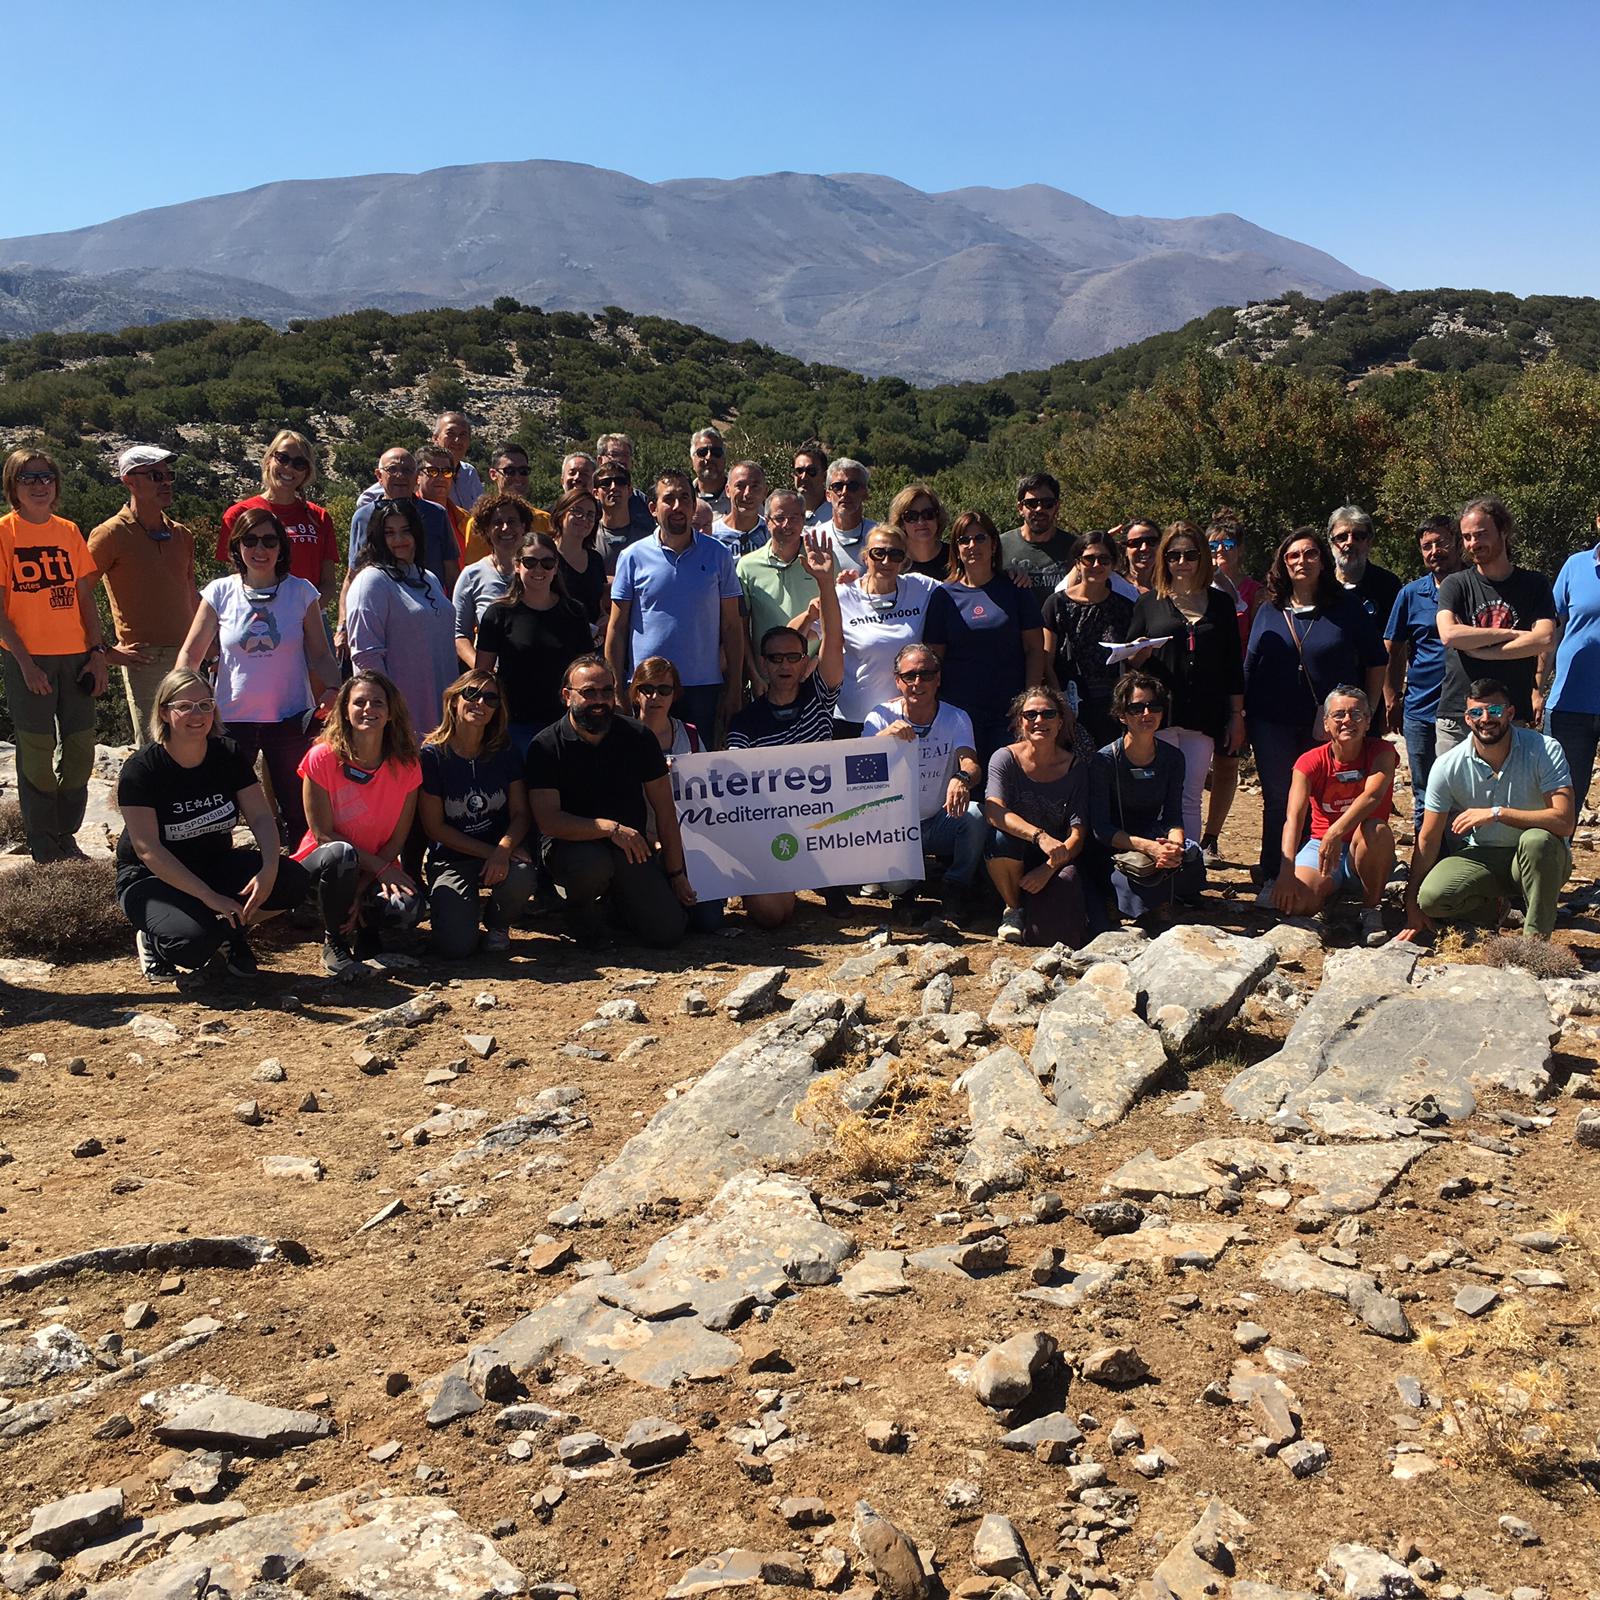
852,268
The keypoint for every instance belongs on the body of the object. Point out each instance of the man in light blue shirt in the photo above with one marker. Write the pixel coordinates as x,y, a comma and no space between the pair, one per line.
677,595
1573,707
1511,799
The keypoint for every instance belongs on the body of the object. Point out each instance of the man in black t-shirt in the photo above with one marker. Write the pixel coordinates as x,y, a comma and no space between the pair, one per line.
593,779
1496,620
1350,534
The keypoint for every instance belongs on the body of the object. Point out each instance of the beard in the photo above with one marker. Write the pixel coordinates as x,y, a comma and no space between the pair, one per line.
593,719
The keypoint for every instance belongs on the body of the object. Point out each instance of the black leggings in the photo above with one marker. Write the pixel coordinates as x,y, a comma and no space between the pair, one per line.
186,932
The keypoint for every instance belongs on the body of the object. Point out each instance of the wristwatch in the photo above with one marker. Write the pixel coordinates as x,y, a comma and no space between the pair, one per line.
1496,813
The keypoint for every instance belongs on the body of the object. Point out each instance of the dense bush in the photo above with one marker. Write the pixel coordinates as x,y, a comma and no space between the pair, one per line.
65,911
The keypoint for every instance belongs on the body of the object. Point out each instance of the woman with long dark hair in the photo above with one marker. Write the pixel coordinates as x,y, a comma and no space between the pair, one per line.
529,637
504,521
1080,619
1310,636
576,519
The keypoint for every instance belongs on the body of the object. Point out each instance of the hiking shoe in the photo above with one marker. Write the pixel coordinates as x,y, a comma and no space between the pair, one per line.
836,902
903,908
1210,850
496,941
240,959
1010,929
337,960
152,964
1373,932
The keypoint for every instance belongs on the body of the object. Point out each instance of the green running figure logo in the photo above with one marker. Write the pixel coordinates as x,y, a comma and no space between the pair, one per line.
785,847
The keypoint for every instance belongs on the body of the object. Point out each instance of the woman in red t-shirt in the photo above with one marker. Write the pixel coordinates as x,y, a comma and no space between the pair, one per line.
287,467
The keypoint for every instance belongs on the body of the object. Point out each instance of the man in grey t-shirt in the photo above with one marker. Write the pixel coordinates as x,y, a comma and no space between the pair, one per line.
1038,547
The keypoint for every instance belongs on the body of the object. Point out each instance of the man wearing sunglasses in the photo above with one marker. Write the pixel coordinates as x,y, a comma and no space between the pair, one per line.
1350,533
624,512
848,482
618,448
1038,546
1506,796
811,482
508,474
708,459
146,561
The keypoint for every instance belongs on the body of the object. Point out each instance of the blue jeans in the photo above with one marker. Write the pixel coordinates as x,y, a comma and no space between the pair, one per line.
1277,746
1421,751
957,840
1578,734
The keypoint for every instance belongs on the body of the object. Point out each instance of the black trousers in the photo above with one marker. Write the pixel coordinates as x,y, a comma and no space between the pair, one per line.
188,933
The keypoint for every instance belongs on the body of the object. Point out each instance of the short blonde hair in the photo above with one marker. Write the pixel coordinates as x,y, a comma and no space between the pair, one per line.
173,685
16,462
286,436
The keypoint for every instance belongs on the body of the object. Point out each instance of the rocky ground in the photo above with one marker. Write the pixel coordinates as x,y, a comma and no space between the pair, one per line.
1224,1265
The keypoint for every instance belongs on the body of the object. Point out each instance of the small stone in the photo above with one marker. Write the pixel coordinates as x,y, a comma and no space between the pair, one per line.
270,1071
1152,1463
248,1112
396,1384
482,1045
309,1102
519,1450
199,1476
756,993
1371,1575
437,1077
456,1398
384,1453
1514,1528
652,1439
998,1551
803,1511
1125,1436
694,1004
171,1284
138,1315
550,1257
1005,1376
1475,1298
887,1438
488,1375
979,1256
30,1569
371,1062
1053,1438
1115,1366
86,1148
63,1526
115,1427
1380,1312
1251,1335
1305,1457
77,1067
1109,1217
301,1169
620,1011
1587,1129
579,1449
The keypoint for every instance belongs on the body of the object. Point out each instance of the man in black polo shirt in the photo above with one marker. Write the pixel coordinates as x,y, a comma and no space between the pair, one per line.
593,779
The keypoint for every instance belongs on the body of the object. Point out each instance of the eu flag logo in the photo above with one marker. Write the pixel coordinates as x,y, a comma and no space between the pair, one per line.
866,769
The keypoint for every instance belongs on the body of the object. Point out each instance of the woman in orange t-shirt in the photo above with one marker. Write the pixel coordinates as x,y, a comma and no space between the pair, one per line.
52,655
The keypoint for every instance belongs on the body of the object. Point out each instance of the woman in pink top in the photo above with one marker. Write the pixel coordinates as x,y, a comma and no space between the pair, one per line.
360,787
1225,539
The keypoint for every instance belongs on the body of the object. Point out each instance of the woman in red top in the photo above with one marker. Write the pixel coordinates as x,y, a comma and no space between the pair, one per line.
287,467
1225,539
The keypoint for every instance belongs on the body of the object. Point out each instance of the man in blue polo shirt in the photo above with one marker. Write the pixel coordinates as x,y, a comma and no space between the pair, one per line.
1574,703
1506,793
1415,673
676,595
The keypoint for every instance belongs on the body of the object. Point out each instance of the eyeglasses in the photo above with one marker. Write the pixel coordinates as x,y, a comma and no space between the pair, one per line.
921,514
886,552
155,475
1143,544
612,483
1145,708
1087,560
917,674
262,541
656,691
848,486
474,695
1223,544
1354,714
604,692
191,708
1347,536
434,472
396,469
1040,714
1032,503
32,480
1182,555
299,463
543,563
708,450
783,658
1478,713
812,471
972,538
512,472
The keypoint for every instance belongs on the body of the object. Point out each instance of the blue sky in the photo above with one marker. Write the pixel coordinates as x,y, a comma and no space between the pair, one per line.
1423,144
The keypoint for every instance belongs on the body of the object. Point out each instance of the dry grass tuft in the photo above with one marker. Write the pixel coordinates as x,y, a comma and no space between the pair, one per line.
1538,956
889,1138
11,829
63,911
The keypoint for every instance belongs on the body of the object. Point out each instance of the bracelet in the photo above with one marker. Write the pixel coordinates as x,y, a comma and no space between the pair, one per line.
97,649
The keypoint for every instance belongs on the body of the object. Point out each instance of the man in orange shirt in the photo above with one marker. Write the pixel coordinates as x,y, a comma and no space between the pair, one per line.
146,561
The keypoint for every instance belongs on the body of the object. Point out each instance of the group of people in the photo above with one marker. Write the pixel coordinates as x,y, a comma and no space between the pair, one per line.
485,709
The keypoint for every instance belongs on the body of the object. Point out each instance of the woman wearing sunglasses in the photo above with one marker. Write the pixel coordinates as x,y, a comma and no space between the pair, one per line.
918,513
1036,799
506,520
987,632
287,467
181,881
880,614
474,810
1225,540
274,664
52,654
1081,618
1201,664
576,519
397,615
529,637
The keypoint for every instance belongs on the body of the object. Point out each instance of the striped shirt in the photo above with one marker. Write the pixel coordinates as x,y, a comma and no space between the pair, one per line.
807,719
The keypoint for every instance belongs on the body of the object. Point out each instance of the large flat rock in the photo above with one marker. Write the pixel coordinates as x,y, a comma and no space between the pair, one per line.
1012,1123
759,1240
227,1420
1093,1045
1380,1035
740,1114
1194,980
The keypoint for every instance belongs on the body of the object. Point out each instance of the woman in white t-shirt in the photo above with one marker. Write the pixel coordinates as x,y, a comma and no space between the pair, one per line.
274,667
880,614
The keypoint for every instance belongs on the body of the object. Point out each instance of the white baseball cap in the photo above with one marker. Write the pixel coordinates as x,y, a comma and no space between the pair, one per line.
141,455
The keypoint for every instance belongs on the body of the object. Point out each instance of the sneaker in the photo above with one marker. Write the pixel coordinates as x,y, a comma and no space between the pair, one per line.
903,908
1010,930
952,901
496,941
154,966
1373,932
337,960
240,959
836,902
1211,851
872,891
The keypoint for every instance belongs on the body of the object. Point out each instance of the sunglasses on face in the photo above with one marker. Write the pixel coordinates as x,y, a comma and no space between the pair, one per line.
784,658
972,538
657,691
1143,544
1223,544
299,463
1145,708
156,475
191,708
263,541
917,674
475,696
848,486
1478,713
1040,714
612,483
32,480
712,450
608,692
806,472
509,471
922,514
435,472
1182,555
886,552
1030,503
542,563
1094,561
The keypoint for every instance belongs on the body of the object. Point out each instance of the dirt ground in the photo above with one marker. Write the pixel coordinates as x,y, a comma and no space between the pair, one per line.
409,1295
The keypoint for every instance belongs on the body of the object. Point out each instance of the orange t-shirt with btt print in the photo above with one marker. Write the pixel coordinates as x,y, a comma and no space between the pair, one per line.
43,564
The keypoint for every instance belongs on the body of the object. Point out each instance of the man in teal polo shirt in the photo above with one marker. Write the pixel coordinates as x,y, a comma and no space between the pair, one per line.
1511,799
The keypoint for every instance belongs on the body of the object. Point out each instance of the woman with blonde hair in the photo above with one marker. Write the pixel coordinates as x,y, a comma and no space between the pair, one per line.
181,881
921,518
288,465
360,793
52,654
474,809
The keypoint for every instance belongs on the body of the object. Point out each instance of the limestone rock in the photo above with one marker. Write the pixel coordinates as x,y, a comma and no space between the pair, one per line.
742,1569
1093,1045
1005,1375
755,993
998,1551
1019,1004
877,1274
1371,1575
301,1169
1115,1366
1200,1564
227,1421
890,1555
652,1439
1012,1123
1194,980
66,1525
48,1352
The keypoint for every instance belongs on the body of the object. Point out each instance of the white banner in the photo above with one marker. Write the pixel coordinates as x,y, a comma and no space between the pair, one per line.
798,816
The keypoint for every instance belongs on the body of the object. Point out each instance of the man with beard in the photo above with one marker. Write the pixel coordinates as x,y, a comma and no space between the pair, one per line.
708,458
811,481
1415,673
1510,794
1496,620
1039,547
1350,536
676,594
594,778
